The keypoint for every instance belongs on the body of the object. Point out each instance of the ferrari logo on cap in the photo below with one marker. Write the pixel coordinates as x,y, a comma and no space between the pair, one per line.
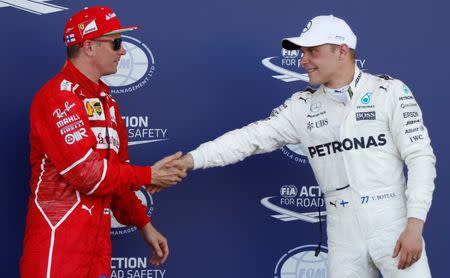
87,27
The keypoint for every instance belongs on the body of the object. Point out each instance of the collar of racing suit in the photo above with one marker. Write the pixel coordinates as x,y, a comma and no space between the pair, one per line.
70,70
345,93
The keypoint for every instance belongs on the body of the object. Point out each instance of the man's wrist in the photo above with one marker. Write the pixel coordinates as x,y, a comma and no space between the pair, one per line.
415,224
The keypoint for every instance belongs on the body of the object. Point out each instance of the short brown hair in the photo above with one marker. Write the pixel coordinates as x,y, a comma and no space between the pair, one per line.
73,51
352,52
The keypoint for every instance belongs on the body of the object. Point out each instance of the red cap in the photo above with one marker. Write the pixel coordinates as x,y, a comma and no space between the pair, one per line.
92,23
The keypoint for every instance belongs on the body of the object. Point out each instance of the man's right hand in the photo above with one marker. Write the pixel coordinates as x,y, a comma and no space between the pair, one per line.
165,174
184,162
175,161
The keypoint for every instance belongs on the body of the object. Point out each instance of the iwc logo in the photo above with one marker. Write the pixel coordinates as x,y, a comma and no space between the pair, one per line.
301,262
119,229
135,69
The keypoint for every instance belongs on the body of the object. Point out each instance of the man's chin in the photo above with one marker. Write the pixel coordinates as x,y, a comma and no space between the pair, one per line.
313,82
110,72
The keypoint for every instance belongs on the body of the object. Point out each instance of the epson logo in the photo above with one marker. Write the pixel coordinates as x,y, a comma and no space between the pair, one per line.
363,116
410,115
346,145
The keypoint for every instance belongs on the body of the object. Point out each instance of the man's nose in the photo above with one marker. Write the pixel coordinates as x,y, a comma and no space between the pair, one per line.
304,60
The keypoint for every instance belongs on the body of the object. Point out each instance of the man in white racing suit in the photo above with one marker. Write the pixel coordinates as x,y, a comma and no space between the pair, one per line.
358,130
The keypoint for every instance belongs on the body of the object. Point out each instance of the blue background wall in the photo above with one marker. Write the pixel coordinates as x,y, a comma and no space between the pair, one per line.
207,78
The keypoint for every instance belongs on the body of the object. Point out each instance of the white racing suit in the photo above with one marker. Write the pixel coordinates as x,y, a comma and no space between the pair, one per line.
356,151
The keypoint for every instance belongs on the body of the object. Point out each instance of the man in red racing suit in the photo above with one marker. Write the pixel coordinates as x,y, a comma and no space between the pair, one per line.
80,169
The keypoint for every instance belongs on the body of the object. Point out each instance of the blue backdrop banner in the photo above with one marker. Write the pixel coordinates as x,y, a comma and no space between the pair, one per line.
195,70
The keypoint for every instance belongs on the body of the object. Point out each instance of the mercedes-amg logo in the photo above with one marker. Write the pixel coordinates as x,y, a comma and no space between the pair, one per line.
307,27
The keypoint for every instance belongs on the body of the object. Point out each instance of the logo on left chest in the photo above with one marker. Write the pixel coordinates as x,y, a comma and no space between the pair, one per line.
94,109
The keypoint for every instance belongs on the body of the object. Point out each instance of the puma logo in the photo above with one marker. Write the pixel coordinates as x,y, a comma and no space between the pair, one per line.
304,99
88,209
334,204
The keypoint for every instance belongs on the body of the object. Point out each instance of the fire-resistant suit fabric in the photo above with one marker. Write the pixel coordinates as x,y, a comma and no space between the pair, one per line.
357,151
80,172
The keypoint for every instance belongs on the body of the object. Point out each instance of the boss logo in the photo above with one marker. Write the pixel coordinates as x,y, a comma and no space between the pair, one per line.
364,116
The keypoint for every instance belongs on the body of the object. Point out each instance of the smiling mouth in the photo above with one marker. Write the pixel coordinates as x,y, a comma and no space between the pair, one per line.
311,70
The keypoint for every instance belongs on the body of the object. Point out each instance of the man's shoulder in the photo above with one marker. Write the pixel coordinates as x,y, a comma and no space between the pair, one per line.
304,95
383,78
58,87
59,83
385,82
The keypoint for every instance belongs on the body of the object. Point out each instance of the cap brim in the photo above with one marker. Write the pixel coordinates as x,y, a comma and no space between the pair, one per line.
121,30
299,42
290,43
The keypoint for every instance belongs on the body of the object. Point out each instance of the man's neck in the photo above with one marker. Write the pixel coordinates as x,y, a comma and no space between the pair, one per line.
342,77
87,69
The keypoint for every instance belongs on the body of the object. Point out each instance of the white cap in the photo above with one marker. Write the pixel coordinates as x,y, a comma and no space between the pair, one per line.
320,30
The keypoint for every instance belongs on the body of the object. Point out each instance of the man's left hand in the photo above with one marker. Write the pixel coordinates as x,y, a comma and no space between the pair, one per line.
409,244
158,244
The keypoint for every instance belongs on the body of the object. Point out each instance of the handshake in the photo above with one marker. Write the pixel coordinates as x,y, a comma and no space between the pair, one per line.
169,171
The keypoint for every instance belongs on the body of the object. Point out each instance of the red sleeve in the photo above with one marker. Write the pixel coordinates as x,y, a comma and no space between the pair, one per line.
129,210
69,144
126,206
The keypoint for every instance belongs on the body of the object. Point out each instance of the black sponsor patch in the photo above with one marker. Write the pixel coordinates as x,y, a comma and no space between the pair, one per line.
364,116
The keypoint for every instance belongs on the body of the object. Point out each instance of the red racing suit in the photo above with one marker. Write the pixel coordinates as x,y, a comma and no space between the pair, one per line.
80,170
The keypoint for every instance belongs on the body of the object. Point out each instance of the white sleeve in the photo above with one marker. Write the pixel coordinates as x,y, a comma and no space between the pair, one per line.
259,137
413,143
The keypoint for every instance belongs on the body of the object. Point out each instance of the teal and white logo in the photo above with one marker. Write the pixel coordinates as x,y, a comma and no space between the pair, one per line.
405,89
365,99
301,262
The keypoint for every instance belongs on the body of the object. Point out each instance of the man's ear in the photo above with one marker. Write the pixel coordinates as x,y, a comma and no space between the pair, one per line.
88,47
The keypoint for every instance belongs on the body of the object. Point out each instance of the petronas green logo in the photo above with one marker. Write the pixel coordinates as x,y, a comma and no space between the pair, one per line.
366,98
